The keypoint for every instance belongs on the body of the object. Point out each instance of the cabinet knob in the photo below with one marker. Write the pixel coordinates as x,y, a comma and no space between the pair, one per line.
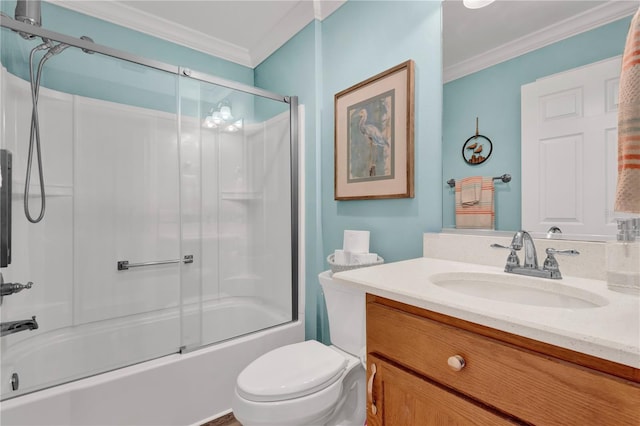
456,362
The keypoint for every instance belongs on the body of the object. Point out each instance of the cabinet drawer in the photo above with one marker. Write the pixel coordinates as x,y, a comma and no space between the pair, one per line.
530,386
403,399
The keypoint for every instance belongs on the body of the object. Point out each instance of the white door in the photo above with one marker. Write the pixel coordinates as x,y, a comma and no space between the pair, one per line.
569,150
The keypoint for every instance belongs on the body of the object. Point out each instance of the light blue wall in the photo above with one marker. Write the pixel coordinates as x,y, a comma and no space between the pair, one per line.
360,40
356,42
493,95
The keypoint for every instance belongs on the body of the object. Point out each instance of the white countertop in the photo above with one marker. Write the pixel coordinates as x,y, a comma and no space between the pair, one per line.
611,332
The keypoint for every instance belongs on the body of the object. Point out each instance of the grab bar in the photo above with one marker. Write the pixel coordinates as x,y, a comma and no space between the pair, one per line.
505,178
124,265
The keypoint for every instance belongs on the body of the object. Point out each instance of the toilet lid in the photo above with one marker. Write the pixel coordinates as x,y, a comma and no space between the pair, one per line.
290,372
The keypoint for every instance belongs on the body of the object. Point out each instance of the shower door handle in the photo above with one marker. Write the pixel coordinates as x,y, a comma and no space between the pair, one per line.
124,265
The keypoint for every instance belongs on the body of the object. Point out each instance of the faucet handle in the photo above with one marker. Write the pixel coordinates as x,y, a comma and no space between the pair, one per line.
512,260
10,288
570,252
551,264
494,245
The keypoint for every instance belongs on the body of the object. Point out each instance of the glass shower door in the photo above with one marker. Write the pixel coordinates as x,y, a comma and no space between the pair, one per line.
169,221
243,160
110,159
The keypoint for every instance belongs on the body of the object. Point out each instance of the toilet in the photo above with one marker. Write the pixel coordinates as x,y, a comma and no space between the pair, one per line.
309,383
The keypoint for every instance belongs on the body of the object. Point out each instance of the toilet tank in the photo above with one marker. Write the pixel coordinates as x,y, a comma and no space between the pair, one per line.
346,311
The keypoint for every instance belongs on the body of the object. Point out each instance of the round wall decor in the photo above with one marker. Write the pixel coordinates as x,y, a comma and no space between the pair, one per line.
477,149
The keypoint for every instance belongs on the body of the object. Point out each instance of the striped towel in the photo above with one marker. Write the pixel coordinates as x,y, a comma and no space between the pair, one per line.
628,187
470,190
480,215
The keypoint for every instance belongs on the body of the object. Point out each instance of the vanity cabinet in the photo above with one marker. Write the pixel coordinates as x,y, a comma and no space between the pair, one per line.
426,368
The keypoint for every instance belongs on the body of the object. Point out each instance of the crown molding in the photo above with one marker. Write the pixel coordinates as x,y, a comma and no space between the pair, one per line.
323,8
135,19
297,18
121,14
593,18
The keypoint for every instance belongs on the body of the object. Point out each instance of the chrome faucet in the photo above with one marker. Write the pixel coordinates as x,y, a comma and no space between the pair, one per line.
16,326
550,268
523,239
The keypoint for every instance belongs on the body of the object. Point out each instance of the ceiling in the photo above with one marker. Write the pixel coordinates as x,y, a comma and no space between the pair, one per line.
248,31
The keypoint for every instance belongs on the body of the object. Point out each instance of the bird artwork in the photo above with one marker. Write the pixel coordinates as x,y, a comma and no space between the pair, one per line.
473,151
375,138
477,159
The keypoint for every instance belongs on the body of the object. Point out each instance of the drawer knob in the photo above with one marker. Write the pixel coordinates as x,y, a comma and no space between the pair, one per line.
456,362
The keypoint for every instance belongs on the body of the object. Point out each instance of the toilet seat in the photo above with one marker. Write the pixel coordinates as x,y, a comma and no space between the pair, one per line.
291,371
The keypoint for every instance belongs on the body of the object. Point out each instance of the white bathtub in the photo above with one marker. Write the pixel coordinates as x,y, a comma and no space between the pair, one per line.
178,389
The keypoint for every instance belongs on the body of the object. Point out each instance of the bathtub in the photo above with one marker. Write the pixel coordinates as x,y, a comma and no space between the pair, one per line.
177,389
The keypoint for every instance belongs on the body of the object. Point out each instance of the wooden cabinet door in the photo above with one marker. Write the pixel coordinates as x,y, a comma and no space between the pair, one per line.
404,399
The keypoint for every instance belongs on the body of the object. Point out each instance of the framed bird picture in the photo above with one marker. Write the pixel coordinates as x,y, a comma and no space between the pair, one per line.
374,131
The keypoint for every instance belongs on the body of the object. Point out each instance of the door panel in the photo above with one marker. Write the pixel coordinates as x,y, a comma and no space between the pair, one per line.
569,163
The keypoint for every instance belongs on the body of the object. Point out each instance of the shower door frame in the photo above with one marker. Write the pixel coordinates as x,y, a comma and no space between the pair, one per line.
17,26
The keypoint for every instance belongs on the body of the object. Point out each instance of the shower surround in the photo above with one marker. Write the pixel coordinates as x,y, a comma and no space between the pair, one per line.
132,174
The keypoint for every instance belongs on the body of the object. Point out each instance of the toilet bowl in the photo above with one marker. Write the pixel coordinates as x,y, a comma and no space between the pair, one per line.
309,383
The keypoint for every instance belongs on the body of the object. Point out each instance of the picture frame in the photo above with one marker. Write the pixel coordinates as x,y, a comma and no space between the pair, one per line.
374,137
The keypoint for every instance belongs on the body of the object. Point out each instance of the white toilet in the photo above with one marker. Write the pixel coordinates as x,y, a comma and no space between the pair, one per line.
310,383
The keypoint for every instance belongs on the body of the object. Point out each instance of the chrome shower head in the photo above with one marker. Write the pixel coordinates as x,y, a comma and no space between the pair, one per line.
29,12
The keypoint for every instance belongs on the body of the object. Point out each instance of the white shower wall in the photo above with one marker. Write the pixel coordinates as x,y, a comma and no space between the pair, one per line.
254,221
126,208
45,249
112,194
41,253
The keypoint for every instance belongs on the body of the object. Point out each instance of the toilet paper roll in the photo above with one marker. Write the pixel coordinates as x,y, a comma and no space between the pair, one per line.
341,257
356,241
363,258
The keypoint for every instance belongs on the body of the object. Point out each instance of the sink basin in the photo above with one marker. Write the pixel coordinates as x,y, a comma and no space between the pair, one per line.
518,289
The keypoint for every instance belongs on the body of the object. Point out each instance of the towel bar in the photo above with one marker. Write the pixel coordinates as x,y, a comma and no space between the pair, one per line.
124,265
505,178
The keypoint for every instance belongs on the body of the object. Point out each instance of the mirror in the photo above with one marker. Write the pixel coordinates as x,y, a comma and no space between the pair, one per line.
489,54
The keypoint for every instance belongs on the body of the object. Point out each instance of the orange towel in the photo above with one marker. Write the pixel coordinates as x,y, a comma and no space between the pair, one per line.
628,187
480,215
